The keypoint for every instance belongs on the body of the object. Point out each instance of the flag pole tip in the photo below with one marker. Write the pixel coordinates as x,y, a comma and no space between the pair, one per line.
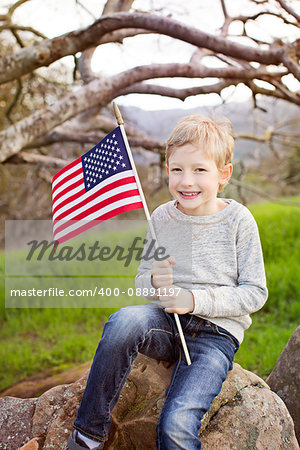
118,114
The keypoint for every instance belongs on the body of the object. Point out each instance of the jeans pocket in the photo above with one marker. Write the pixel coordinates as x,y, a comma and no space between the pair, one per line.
222,332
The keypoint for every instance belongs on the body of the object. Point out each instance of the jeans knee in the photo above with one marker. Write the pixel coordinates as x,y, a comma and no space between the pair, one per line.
129,322
176,429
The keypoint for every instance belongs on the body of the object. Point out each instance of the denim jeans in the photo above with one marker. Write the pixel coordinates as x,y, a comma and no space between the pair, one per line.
149,330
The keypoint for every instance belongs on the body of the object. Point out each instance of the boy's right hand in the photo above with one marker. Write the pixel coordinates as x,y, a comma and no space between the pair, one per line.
162,273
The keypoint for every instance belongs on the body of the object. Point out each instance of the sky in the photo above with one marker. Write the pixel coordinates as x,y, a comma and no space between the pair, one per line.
55,17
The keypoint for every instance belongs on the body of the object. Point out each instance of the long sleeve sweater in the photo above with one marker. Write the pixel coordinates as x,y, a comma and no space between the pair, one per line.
218,258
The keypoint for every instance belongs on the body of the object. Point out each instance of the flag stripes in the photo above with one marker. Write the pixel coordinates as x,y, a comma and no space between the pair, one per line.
99,185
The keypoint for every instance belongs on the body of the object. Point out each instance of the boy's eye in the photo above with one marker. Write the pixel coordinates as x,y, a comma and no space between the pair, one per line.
199,169
176,169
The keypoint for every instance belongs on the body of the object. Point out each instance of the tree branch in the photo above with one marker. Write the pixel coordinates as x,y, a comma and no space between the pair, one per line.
93,138
289,10
13,27
181,94
262,193
50,50
41,159
15,100
100,92
84,62
290,59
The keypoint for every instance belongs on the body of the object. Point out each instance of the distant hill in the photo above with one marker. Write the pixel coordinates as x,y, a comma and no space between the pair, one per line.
158,124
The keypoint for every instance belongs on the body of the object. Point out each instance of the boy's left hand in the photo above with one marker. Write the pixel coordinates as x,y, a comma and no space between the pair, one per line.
177,300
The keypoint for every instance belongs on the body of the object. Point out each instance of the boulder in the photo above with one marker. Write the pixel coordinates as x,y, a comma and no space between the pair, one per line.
285,378
245,415
16,416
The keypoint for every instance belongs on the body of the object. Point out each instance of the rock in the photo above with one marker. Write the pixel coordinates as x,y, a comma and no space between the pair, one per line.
33,444
43,381
245,415
255,418
285,378
15,421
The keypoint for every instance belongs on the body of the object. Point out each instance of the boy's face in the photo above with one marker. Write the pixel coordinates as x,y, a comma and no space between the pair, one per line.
194,180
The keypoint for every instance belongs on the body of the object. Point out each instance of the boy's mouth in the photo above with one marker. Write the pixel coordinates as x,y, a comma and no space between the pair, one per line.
189,195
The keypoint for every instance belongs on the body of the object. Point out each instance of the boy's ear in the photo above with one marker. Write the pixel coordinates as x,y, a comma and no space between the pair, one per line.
226,174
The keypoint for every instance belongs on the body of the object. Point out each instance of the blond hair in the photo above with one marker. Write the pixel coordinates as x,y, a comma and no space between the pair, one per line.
214,137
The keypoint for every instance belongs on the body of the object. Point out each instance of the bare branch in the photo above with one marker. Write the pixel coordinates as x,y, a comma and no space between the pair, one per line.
41,159
84,62
48,51
181,94
93,138
245,19
85,9
18,38
11,26
262,193
277,93
100,92
290,59
288,9
15,6
15,100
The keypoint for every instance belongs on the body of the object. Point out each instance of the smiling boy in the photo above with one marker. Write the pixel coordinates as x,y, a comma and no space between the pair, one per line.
216,261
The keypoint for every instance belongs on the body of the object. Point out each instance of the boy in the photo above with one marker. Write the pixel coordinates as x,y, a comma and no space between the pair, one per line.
216,261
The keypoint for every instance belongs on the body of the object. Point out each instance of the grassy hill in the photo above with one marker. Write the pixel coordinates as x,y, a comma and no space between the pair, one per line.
33,340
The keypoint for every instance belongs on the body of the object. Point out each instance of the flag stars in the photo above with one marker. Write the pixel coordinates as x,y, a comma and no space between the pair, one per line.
123,165
114,168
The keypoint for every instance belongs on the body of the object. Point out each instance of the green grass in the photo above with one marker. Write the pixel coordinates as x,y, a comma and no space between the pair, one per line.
35,339
279,227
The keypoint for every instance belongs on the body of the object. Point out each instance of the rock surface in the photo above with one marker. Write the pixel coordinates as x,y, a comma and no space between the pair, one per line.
42,382
285,378
245,415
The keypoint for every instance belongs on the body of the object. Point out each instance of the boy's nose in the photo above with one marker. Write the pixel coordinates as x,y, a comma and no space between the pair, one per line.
187,180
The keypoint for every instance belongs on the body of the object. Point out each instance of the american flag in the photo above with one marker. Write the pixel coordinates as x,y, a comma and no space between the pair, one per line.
95,187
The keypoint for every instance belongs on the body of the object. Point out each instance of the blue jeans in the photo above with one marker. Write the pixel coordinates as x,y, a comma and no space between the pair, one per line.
148,329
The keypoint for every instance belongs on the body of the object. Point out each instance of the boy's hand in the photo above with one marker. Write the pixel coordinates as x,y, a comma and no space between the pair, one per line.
181,303
162,273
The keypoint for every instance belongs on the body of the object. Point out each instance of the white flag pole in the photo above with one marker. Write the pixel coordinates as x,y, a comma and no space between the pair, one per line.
152,231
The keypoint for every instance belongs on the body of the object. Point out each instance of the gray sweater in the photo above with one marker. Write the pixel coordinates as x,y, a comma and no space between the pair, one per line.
218,258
